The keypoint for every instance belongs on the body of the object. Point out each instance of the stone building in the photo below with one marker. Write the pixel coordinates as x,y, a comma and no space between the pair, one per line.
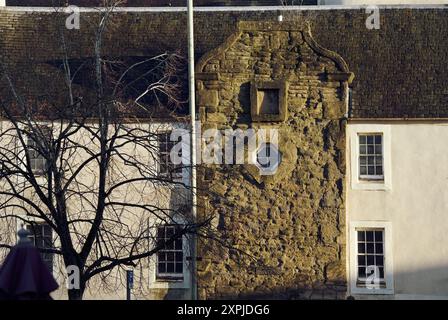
279,211
357,185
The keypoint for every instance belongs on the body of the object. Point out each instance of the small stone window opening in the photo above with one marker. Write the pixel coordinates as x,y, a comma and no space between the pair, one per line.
371,157
370,256
269,101
170,259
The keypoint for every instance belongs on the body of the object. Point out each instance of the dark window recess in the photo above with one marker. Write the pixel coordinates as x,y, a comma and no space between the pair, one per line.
170,259
371,156
269,101
167,168
370,253
35,150
42,237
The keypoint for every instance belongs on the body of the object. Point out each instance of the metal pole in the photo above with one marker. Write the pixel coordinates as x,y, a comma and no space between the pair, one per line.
129,283
192,105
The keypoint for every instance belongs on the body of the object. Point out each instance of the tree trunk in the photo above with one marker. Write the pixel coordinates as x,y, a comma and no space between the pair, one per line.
76,294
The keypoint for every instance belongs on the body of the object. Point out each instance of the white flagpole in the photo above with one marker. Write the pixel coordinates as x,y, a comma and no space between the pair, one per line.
192,93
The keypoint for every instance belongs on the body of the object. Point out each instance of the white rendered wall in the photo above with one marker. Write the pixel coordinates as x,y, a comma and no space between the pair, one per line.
381,2
416,205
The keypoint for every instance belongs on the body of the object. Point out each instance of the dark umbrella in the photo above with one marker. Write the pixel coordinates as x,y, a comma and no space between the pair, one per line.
24,275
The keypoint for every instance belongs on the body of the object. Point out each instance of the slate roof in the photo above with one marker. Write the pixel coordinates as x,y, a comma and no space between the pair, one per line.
401,70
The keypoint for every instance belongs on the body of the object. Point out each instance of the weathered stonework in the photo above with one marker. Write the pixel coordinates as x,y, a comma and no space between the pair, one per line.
292,223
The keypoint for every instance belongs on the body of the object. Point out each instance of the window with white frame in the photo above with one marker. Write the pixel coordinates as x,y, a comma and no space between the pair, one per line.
38,162
371,156
42,237
370,255
170,259
167,168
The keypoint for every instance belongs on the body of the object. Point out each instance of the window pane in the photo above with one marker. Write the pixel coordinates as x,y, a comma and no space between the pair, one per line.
170,267
178,244
371,170
160,232
370,260
378,149
361,248
378,139
170,245
42,237
162,268
179,267
179,256
47,230
363,160
362,149
169,232
47,242
378,236
362,139
378,248
361,235
378,160
361,260
363,170
370,248
379,260
370,149
170,256
381,272
370,139
361,272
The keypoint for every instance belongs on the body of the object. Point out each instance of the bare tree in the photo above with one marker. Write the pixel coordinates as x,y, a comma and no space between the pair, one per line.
88,167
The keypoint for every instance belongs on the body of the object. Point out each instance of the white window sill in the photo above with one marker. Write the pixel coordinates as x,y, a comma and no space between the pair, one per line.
371,185
168,279
361,290
169,284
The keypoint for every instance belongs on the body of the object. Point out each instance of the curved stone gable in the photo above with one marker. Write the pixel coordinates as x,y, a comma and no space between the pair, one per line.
291,224
292,37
